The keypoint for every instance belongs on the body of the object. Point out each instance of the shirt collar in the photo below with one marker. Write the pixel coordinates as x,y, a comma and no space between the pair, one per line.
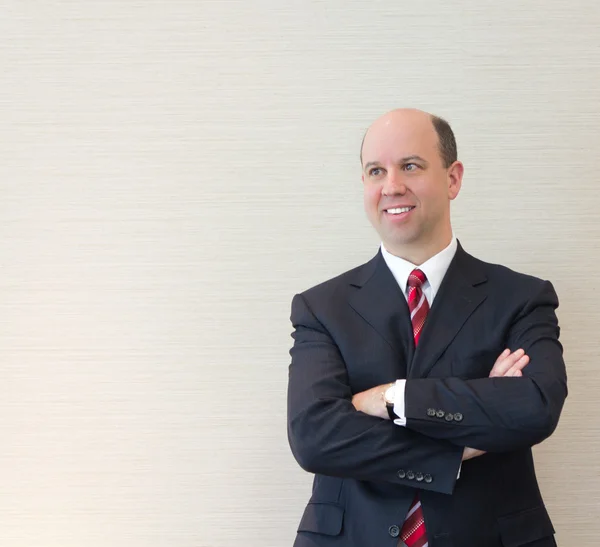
434,269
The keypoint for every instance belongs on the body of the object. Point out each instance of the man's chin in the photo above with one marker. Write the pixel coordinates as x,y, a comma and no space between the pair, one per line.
404,239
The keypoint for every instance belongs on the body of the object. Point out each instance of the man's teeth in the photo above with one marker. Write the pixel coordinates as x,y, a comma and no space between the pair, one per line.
399,210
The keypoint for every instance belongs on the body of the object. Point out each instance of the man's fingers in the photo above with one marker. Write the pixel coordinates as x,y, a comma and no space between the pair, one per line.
502,356
506,361
469,453
497,368
522,362
516,369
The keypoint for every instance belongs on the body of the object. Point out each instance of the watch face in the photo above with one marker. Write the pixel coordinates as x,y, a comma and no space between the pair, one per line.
390,393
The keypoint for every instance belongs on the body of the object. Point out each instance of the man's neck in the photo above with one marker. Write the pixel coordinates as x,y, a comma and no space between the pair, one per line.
418,253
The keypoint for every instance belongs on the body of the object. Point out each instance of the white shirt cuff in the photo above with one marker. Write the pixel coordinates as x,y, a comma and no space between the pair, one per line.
399,403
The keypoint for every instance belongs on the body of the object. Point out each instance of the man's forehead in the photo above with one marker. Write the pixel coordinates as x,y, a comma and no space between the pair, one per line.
400,130
399,137
392,148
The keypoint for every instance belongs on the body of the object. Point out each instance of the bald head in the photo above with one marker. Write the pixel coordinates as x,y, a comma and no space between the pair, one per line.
414,121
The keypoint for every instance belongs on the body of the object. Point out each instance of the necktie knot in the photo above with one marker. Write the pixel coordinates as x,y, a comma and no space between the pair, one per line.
416,278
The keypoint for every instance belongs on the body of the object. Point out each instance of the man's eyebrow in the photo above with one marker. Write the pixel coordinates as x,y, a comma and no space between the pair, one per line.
412,158
402,160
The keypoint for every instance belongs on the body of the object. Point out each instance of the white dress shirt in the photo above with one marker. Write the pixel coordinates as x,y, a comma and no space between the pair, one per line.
434,269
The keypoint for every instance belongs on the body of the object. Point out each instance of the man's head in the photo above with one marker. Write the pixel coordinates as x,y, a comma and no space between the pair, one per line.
410,175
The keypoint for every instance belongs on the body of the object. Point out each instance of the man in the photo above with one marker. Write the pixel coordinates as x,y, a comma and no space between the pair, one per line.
420,380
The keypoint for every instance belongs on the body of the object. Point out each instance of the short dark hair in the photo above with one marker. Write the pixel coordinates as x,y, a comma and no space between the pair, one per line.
447,142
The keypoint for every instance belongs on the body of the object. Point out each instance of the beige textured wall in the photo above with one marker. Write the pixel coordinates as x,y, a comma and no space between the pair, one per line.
172,172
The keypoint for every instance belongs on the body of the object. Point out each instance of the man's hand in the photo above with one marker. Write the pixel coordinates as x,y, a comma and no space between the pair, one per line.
507,364
371,401
469,453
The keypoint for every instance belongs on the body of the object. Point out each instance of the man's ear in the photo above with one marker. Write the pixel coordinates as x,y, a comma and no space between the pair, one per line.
455,176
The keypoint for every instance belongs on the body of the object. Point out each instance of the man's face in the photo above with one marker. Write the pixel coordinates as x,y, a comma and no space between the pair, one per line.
407,189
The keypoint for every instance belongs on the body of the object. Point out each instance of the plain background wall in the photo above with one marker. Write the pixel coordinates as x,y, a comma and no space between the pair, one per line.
172,172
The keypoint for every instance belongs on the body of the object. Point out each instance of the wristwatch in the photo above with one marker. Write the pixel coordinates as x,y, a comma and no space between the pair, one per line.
389,396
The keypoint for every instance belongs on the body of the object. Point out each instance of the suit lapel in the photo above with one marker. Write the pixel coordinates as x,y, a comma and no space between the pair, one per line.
380,302
462,290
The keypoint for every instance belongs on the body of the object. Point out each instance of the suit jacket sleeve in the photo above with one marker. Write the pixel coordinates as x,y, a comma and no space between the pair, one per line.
500,414
327,435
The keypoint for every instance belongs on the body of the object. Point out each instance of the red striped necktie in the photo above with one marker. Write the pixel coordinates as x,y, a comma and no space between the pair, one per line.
413,530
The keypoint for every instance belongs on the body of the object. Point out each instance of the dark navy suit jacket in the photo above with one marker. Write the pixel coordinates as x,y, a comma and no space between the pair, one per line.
352,333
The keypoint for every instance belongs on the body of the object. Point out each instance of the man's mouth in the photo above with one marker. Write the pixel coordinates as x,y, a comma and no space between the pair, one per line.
399,210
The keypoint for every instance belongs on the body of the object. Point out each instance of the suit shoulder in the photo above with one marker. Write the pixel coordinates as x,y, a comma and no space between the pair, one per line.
507,276
337,285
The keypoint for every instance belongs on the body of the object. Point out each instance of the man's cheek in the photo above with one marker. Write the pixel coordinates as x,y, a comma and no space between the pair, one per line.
373,199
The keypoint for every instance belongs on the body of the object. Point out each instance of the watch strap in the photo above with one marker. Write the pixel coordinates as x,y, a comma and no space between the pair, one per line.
390,409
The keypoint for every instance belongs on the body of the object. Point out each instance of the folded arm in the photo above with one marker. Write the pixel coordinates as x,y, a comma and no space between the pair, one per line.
499,414
507,365
329,436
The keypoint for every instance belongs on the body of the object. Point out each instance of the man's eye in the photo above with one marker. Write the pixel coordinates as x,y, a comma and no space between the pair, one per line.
375,171
411,167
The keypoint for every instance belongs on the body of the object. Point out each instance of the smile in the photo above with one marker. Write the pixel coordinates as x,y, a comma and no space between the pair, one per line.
399,210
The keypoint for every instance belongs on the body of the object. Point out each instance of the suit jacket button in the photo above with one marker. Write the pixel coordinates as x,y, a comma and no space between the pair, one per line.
449,417
440,413
401,474
394,531
410,475
419,476
458,417
431,412
428,478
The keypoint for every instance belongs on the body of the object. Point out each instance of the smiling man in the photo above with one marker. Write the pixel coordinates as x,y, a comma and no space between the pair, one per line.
420,380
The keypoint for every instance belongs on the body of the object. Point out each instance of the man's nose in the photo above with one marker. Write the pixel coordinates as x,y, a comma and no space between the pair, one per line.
393,184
